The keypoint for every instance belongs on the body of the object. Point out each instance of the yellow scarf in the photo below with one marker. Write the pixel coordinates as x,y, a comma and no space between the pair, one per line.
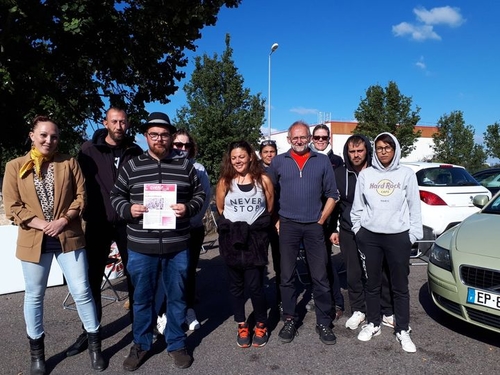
36,161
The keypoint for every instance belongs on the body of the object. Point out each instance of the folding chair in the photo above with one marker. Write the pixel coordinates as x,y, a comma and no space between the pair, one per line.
210,244
111,261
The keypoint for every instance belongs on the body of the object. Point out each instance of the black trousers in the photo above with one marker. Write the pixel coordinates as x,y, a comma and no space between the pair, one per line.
274,241
98,238
252,279
195,243
311,235
356,277
396,249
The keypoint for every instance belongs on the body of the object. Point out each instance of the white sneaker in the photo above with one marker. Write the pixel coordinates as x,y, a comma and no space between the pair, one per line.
368,331
355,320
404,338
191,320
389,321
161,323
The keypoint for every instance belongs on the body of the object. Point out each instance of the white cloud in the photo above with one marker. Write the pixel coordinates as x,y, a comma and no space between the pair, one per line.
441,15
304,111
421,64
423,28
417,32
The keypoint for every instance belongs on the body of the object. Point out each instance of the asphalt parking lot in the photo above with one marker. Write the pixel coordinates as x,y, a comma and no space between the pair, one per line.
444,344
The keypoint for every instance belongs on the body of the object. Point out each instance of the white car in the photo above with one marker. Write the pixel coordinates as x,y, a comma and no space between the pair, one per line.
446,194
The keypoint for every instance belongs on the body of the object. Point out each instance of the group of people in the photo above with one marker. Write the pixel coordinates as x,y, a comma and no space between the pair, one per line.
73,209
367,203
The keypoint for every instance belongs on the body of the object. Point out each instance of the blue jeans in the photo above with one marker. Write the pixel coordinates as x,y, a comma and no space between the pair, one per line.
74,267
146,272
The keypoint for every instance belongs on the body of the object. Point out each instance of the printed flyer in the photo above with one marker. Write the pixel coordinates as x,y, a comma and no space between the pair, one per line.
158,198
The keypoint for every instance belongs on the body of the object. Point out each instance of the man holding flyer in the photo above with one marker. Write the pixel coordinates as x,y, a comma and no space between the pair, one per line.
157,192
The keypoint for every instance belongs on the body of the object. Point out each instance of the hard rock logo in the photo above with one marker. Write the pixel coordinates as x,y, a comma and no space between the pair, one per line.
385,187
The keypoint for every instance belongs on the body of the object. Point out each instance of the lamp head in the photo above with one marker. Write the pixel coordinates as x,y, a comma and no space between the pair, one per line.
274,47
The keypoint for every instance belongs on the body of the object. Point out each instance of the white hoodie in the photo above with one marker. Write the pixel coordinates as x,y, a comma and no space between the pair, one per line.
387,200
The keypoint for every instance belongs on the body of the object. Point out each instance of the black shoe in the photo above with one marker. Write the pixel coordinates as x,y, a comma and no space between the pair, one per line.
81,344
288,332
326,334
181,357
135,358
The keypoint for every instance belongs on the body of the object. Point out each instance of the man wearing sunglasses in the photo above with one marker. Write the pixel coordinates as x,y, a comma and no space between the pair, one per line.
321,143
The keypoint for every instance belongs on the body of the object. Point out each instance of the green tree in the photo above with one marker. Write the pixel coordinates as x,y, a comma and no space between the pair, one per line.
71,58
454,143
219,109
387,110
492,140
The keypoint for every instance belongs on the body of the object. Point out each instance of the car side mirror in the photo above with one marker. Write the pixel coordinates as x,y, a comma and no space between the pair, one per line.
480,200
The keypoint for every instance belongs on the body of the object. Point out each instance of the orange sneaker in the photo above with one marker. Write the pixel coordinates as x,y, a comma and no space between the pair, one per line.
243,339
260,335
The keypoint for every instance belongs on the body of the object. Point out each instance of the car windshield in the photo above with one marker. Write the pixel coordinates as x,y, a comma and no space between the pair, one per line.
489,180
445,176
493,207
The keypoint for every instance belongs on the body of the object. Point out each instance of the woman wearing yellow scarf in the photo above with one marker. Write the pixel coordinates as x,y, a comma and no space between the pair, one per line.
44,194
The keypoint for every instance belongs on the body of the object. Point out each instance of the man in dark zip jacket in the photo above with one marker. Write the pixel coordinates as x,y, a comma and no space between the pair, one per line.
100,159
158,253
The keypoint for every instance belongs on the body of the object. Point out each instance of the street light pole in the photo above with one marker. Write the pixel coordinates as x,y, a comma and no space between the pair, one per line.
274,47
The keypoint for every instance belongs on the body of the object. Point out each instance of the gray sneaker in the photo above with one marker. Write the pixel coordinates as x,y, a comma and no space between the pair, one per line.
288,332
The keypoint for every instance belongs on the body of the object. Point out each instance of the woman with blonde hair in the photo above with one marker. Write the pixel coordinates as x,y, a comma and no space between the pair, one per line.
44,194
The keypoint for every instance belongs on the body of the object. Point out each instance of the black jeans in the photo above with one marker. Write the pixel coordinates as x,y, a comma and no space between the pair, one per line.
311,235
396,249
195,243
356,276
274,241
98,238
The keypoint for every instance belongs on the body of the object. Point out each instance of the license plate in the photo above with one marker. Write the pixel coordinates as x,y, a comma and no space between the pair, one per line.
479,297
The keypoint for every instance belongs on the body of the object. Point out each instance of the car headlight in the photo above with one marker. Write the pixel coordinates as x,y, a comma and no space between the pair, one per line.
440,257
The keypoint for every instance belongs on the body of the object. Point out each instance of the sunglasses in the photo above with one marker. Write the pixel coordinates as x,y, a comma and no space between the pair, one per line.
269,142
179,145
320,138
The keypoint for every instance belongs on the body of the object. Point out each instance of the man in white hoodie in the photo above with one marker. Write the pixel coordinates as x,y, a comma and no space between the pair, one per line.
386,220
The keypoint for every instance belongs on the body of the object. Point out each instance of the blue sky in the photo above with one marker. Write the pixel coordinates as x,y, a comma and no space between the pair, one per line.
445,55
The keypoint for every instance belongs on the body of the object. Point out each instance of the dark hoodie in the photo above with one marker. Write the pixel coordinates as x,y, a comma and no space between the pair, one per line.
97,161
346,183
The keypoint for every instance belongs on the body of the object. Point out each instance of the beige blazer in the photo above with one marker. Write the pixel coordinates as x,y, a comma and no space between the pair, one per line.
22,204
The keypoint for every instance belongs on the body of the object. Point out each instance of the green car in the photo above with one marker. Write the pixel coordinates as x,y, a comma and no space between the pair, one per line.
464,267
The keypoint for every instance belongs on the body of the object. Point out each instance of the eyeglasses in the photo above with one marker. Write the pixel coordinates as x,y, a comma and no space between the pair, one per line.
297,139
154,136
180,145
385,149
269,142
321,137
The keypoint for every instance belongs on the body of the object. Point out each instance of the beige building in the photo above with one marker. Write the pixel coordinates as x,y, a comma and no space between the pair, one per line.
341,130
